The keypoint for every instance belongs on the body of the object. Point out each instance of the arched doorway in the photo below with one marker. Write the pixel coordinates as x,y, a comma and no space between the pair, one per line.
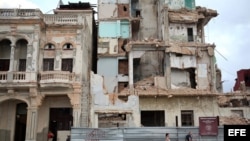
21,118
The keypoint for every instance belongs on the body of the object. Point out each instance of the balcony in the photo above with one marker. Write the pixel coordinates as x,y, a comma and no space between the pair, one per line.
62,19
16,13
17,79
57,79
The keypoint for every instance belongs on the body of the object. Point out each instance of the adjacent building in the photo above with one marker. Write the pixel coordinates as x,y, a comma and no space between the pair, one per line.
45,60
154,67
145,63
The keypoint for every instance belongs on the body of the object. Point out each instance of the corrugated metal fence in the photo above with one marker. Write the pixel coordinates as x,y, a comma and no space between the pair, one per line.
140,134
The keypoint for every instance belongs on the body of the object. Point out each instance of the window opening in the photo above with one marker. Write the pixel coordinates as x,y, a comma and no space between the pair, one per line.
67,65
190,34
48,64
187,118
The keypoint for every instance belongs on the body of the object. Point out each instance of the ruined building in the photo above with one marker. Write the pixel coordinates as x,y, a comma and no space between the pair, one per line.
154,67
45,60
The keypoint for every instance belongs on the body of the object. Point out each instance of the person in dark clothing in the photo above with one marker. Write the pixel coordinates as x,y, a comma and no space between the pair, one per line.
68,138
189,136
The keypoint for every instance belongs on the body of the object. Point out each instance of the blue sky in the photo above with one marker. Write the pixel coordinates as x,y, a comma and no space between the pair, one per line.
229,31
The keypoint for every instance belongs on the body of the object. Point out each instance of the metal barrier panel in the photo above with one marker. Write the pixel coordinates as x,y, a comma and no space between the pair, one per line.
141,134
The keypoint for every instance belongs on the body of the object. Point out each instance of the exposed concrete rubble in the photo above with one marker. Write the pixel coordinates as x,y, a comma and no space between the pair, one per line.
189,16
233,120
147,87
108,107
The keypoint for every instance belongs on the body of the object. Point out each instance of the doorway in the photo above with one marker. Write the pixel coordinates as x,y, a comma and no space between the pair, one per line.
21,119
60,119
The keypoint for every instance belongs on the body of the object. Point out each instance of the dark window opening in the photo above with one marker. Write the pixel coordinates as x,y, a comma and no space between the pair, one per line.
247,80
138,13
190,34
136,65
178,55
187,118
121,86
67,65
67,46
124,8
22,64
123,66
48,64
49,46
152,118
4,64
192,77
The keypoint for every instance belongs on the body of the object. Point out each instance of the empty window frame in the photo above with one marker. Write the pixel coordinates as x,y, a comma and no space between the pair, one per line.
190,34
4,64
67,64
152,118
121,86
22,64
123,66
48,64
187,118
238,113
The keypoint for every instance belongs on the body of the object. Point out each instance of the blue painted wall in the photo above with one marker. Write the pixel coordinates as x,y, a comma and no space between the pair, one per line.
108,68
114,29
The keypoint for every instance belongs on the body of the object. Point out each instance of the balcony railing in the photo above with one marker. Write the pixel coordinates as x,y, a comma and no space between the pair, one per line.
7,13
3,76
46,78
57,76
62,19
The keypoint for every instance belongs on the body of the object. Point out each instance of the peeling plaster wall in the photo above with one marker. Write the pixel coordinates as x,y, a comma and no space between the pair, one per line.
109,102
150,64
7,120
178,4
182,62
204,71
107,46
201,106
175,4
149,22
108,67
178,32
179,78
107,11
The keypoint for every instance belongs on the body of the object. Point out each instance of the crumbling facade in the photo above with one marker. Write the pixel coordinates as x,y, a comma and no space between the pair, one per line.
45,60
153,54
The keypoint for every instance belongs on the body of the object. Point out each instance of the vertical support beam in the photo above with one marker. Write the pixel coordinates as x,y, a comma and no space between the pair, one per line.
58,59
131,74
11,67
12,58
31,128
76,115
29,59
85,107
166,25
168,71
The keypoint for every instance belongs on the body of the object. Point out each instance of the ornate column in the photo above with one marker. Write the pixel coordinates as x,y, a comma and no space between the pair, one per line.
32,115
75,100
31,127
29,59
11,67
